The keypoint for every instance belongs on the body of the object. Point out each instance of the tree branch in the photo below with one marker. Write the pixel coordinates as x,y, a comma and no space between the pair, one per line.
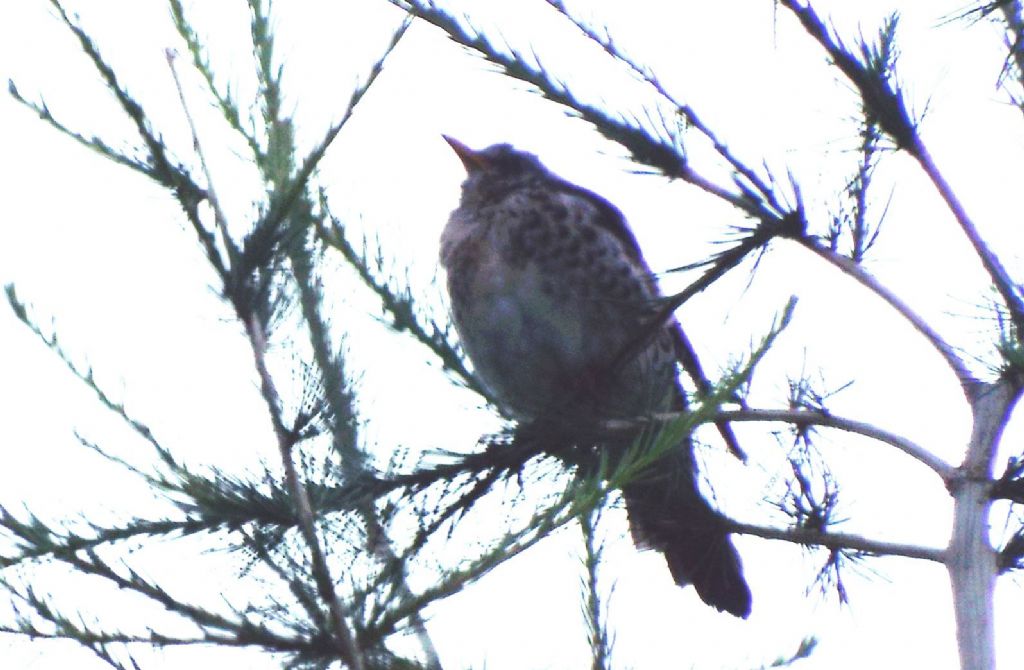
883,97
343,637
1013,16
806,418
852,269
839,541
944,470
220,219
1007,287
742,201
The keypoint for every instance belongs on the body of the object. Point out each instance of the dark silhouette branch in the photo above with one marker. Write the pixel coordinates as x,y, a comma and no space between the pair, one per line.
343,637
766,194
660,150
883,98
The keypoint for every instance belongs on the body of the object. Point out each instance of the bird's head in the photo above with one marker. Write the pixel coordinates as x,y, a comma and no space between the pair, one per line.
497,169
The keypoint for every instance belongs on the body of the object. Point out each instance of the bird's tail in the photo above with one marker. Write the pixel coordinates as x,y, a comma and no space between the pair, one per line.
667,513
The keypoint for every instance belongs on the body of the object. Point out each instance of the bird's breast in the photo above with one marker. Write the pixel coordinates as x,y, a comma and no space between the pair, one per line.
516,314
541,328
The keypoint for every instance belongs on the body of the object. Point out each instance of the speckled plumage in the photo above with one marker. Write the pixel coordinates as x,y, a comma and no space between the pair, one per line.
548,288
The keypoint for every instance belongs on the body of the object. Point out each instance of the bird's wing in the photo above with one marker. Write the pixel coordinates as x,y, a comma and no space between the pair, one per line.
608,217
611,219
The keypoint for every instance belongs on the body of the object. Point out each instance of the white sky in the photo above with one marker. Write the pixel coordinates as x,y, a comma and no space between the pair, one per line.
108,256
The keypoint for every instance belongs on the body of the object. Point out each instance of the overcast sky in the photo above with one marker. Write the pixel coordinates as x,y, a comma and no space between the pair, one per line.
108,256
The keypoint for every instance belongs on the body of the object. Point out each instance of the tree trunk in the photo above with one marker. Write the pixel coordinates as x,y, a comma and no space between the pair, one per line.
970,559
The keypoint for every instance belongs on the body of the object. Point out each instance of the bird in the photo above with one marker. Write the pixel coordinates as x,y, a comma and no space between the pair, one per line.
548,290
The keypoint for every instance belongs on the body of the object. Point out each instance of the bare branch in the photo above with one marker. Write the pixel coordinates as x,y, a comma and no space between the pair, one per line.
839,541
944,470
804,418
854,270
218,213
1008,289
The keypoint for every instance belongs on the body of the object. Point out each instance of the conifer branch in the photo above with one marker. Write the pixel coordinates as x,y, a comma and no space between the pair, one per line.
583,495
873,75
288,193
856,272
225,101
803,418
86,375
94,142
400,305
331,367
662,151
767,206
234,631
39,541
160,166
599,638
839,541
343,637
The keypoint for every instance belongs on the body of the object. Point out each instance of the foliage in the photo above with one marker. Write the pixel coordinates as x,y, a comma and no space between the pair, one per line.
328,540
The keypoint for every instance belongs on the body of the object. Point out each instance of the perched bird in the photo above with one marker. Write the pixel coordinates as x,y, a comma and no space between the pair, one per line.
548,290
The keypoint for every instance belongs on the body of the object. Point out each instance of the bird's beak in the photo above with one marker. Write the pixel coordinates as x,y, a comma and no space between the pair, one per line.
471,159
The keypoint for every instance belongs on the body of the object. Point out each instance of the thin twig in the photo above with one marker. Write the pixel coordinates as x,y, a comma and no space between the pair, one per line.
211,192
692,119
594,606
1007,287
854,270
884,99
344,639
839,541
802,418
228,107
806,418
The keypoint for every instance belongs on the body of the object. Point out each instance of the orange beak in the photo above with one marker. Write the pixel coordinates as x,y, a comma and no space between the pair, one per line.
471,159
